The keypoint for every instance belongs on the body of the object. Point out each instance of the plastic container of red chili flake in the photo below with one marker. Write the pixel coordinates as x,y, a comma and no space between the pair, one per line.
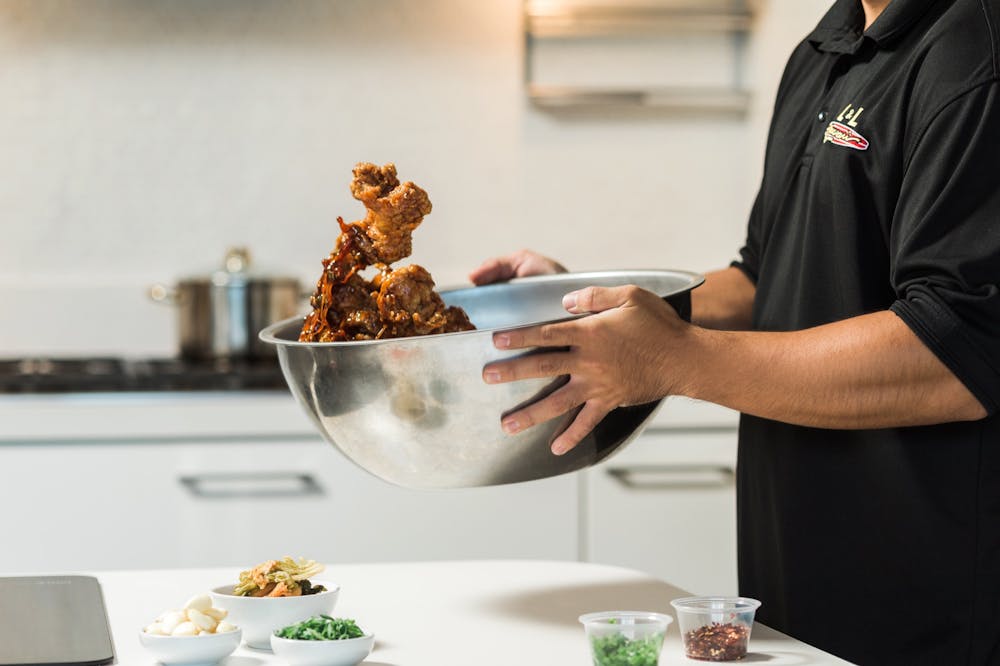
715,628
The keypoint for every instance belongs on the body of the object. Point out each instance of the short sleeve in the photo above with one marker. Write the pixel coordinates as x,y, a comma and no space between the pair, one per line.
749,261
945,240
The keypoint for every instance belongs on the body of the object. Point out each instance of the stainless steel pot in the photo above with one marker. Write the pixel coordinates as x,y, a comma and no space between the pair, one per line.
220,314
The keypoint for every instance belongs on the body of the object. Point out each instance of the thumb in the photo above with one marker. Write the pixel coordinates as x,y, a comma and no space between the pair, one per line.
597,299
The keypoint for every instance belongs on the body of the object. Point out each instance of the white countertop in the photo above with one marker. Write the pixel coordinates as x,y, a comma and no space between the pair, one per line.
485,613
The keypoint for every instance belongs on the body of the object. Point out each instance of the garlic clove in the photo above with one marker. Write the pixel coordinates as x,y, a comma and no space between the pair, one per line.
171,619
156,629
201,620
217,613
185,629
202,603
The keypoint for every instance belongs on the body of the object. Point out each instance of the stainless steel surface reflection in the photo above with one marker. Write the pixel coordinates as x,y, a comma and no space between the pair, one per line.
416,412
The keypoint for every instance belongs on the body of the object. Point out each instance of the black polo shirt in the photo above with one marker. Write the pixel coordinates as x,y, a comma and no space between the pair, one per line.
881,191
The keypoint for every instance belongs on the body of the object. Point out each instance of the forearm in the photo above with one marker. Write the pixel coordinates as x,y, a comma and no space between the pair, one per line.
870,371
724,301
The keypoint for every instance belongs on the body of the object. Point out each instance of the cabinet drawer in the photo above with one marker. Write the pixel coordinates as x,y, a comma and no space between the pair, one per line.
667,505
235,502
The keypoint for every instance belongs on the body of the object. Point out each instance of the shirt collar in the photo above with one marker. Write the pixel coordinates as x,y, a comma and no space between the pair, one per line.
840,30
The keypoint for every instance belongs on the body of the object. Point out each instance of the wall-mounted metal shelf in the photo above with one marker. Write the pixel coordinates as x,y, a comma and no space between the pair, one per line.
713,100
557,24
549,19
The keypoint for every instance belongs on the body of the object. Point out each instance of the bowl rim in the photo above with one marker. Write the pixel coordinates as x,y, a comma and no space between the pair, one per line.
269,333
144,635
331,588
335,641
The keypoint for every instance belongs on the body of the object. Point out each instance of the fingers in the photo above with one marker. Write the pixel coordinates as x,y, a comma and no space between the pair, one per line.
556,404
546,335
527,263
535,366
560,402
598,299
568,334
582,425
493,270
522,263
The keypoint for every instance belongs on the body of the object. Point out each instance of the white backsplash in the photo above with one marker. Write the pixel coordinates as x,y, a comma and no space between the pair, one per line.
141,138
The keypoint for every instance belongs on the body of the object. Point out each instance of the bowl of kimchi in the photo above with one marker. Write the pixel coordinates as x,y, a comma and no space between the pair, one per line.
275,594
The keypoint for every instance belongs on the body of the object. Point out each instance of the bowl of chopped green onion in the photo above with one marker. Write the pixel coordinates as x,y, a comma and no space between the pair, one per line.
322,641
625,638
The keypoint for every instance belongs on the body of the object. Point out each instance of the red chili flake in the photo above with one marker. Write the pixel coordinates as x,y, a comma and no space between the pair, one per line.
717,642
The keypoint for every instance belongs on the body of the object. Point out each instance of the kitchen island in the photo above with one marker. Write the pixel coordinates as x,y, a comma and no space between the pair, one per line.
502,612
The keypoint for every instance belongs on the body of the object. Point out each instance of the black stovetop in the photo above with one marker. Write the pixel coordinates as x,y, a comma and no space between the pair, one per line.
71,375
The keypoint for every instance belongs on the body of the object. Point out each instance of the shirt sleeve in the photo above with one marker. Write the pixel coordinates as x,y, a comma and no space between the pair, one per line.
945,240
749,261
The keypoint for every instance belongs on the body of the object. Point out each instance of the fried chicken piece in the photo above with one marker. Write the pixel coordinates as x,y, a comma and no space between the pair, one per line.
342,304
353,311
457,320
354,250
408,303
410,306
394,209
372,181
395,303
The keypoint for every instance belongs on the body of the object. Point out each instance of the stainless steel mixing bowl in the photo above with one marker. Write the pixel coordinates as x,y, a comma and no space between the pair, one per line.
416,412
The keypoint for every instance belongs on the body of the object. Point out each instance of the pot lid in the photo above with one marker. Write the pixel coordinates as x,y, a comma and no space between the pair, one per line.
237,269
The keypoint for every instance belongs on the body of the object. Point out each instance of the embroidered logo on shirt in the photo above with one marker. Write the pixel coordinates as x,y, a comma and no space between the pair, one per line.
840,134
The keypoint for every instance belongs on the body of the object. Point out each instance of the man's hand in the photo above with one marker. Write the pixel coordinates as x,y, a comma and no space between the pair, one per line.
522,263
616,357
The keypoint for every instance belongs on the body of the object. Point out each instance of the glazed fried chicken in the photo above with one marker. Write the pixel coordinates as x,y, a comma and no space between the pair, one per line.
394,209
410,306
395,303
352,310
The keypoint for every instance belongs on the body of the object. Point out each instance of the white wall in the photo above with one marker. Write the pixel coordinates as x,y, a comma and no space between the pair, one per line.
141,138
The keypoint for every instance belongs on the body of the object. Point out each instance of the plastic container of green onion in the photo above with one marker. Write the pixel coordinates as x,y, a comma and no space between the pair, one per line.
625,638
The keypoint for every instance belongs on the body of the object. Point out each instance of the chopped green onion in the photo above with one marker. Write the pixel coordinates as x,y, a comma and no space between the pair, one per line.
321,628
617,650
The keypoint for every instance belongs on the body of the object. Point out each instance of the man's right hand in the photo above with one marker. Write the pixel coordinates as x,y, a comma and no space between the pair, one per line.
519,264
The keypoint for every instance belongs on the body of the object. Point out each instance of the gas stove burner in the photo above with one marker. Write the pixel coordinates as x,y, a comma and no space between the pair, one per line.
72,375
69,366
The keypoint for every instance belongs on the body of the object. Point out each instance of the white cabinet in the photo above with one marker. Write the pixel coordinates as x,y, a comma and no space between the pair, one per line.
150,481
148,491
667,503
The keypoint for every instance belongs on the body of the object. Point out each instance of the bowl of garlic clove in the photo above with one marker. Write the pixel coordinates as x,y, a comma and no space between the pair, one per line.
195,634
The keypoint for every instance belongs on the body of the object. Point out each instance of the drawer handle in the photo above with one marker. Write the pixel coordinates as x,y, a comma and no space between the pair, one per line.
251,485
673,477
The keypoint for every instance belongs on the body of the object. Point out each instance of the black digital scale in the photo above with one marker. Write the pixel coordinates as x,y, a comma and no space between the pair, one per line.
53,621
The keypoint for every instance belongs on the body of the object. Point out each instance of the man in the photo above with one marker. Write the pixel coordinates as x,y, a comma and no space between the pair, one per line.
859,335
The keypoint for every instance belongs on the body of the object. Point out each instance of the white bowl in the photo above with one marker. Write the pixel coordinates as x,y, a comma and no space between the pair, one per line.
344,652
259,617
191,650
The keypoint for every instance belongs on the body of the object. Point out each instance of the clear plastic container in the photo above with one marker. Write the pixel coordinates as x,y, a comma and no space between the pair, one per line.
618,638
715,628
